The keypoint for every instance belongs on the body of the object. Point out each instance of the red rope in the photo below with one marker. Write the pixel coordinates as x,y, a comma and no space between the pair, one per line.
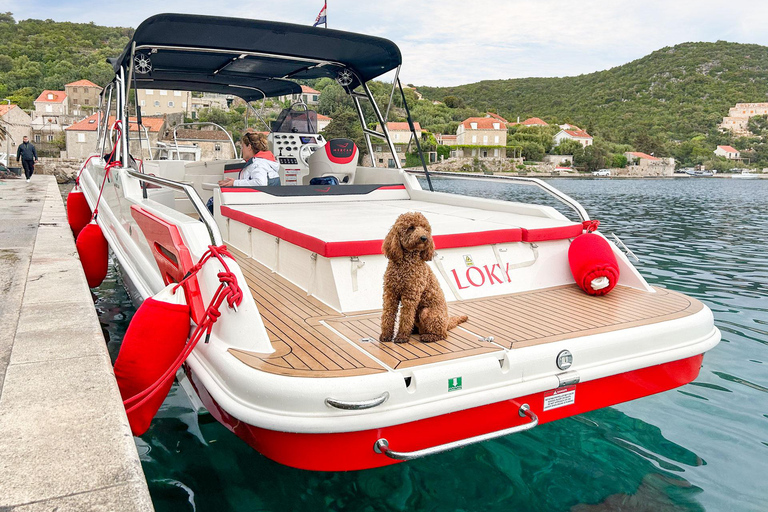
590,225
108,167
228,290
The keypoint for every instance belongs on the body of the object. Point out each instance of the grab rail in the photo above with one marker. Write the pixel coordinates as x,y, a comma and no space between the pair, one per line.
382,445
194,198
357,406
563,198
176,142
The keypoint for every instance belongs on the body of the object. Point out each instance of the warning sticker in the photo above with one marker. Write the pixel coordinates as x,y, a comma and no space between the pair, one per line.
559,398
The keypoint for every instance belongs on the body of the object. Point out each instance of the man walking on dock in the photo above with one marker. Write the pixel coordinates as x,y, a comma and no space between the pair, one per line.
28,156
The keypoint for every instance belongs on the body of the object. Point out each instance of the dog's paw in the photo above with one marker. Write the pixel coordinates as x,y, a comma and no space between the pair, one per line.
385,339
429,338
401,339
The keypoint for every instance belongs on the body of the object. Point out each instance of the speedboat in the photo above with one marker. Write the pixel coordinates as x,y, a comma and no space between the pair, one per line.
297,369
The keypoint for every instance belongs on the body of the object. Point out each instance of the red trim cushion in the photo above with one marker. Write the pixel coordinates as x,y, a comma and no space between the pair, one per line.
366,247
556,233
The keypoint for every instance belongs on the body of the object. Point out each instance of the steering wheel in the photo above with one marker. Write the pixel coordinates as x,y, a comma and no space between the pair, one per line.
306,151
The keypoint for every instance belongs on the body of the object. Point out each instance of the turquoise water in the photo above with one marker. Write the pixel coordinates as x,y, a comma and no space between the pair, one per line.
700,447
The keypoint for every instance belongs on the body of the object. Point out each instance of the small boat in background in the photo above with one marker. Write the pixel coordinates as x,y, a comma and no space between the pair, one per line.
746,174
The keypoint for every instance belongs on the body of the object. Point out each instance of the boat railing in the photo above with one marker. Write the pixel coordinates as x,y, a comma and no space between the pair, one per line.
560,196
205,216
201,123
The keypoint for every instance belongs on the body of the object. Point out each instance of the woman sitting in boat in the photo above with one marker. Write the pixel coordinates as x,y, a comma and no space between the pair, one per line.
261,168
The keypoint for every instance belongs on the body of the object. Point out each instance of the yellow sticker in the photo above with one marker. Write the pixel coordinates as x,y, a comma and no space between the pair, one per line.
468,260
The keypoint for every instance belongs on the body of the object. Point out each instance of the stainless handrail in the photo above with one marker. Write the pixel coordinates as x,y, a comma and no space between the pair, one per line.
194,198
176,143
382,445
563,198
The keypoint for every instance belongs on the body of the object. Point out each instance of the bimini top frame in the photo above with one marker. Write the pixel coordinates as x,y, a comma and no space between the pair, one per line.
208,46
251,59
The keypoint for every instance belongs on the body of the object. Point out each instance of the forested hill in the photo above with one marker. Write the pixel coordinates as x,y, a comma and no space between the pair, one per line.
37,55
672,94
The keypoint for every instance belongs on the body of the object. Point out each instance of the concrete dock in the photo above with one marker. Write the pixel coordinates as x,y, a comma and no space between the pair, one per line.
65,443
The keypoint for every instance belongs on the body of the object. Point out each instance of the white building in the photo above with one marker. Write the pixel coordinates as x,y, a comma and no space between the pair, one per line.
578,135
728,152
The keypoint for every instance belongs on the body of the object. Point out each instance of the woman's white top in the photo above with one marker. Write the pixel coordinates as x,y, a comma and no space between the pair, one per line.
257,172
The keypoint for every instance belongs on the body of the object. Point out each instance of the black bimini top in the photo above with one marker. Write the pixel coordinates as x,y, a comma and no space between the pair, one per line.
251,53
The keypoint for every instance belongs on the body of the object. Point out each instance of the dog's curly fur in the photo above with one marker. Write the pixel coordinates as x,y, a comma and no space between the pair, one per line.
409,280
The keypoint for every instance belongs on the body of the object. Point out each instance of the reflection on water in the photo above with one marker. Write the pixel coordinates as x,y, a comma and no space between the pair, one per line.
701,447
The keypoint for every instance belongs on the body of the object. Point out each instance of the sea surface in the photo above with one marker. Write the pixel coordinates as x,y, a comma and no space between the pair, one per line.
700,447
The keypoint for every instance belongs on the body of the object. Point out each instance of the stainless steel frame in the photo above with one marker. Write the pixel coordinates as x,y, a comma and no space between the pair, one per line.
202,211
563,198
176,143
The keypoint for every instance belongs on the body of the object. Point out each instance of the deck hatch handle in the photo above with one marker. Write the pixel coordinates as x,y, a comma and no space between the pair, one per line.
382,445
357,406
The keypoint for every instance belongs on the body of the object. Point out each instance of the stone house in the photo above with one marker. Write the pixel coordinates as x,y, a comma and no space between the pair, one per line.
157,102
578,135
400,133
82,97
728,152
82,137
308,95
50,117
214,144
489,133
642,164
322,122
737,119
16,123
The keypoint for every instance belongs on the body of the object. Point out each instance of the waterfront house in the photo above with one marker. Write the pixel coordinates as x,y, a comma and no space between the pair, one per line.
728,152
578,135
488,133
81,136
401,137
642,164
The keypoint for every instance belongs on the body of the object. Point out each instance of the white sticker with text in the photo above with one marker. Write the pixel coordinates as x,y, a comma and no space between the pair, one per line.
559,398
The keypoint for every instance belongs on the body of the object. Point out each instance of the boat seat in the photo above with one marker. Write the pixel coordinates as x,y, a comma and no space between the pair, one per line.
326,228
338,158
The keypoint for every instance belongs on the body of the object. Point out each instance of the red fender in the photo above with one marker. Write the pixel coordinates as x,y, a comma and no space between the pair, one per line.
593,263
78,211
155,337
94,253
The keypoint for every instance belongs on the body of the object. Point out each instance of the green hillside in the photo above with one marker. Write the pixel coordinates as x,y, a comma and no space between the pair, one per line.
37,55
672,94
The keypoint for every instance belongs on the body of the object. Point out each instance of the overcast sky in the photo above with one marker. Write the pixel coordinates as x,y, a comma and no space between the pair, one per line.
455,42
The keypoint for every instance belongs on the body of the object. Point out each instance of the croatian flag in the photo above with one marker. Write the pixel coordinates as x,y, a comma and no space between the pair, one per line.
321,17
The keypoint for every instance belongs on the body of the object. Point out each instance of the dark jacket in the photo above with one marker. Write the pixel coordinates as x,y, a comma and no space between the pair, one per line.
26,151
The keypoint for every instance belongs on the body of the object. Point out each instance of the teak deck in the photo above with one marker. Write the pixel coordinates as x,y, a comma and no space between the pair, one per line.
314,340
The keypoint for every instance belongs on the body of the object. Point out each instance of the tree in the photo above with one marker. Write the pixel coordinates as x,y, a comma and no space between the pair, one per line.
453,102
567,147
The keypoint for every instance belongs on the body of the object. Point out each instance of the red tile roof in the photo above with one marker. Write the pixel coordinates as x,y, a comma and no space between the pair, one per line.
5,108
58,96
90,124
82,83
729,149
402,127
534,121
645,156
309,90
321,117
497,116
581,134
483,123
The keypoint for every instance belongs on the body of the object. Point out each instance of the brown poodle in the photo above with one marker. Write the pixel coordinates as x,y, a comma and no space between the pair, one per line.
409,280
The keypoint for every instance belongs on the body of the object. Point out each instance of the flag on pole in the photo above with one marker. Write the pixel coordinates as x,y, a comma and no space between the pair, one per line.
321,17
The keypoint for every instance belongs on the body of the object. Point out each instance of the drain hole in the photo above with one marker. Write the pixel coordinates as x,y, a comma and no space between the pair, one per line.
407,382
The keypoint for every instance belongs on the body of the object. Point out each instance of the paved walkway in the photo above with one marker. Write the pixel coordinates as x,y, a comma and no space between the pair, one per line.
65,443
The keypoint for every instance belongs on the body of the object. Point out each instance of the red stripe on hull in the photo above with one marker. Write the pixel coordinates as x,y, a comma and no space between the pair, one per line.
354,450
